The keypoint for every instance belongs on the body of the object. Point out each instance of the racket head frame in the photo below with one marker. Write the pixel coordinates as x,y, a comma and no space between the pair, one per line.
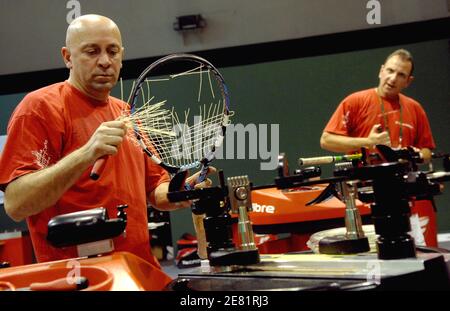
137,88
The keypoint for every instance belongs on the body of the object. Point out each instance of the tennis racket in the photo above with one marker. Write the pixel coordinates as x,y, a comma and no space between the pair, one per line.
178,114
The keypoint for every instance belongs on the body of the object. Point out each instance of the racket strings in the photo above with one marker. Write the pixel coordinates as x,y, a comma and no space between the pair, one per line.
209,126
186,143
181,142
193,141
153,119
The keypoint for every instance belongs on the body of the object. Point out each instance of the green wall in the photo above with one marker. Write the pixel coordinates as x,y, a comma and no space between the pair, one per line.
301,94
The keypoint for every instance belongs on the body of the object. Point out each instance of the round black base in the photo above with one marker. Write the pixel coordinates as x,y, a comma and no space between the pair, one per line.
400,247
340,244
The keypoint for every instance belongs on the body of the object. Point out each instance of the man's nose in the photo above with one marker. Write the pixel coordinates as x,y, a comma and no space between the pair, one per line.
397,75
392,77
104,60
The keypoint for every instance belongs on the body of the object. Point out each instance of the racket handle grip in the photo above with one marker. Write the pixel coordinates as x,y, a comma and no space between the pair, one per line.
315,160
98,168
328,159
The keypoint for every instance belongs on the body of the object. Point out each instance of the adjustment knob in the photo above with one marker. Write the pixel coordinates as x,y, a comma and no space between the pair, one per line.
241,193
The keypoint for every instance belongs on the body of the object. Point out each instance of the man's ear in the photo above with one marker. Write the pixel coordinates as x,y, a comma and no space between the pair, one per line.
410,80
65,52
123,54
379,73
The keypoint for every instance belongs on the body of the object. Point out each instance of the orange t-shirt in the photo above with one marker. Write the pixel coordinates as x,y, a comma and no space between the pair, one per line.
54,121
360,111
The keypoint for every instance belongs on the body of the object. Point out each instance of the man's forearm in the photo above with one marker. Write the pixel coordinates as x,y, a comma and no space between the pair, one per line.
343,144
34,192
159,200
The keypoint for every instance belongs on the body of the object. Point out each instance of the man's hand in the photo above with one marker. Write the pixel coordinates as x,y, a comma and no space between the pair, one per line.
159,200
192,180
45,187
378,138
105,140
424,153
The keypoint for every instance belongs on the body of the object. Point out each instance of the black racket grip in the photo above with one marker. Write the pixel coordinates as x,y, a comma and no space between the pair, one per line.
98,168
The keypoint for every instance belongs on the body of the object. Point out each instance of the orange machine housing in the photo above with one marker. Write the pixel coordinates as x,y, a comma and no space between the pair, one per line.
16,250
120,271
283,223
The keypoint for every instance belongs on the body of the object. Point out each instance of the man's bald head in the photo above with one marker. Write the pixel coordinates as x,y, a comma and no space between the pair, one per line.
84,25
93,53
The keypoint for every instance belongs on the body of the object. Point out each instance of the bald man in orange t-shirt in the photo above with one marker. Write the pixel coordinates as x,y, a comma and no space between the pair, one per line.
57,133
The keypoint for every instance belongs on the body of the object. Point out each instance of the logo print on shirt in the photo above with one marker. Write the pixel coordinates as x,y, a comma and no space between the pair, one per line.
346,118
42,159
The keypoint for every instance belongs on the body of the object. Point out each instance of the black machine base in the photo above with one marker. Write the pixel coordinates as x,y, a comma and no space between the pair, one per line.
317,272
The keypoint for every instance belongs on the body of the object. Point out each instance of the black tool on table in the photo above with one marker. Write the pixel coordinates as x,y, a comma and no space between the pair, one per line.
61,284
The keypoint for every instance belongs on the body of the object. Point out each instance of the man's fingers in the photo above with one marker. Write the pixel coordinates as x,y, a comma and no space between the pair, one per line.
383,139
211,170
116,124
376,128
204,184
193,179
112,131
